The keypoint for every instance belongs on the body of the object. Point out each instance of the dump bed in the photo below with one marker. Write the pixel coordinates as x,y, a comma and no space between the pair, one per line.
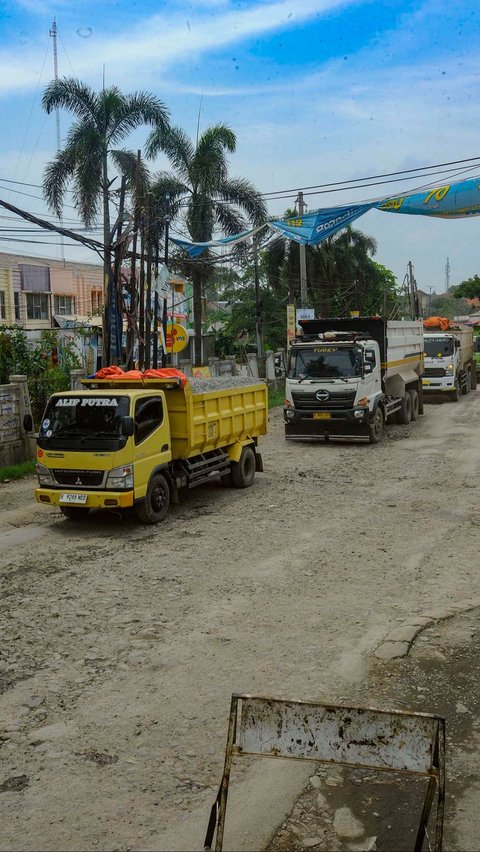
210,419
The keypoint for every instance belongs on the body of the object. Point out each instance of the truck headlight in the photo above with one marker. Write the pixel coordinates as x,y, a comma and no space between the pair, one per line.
289,414
450,367
120,478
44,474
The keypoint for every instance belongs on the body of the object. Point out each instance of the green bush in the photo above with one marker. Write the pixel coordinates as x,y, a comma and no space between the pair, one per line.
46,363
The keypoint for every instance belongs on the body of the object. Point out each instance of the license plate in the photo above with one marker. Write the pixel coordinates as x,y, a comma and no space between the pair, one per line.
73,498
322,415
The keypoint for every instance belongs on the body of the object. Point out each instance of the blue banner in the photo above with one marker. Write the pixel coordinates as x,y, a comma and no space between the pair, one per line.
195,249
311,228
452,200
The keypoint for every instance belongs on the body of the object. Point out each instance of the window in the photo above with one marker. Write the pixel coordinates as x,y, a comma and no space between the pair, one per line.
148,415
3,312
37,306
16,301
97,301
64,305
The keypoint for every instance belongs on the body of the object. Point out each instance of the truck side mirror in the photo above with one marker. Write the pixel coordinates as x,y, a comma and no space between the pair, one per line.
28,422
368,367
128,426
457,344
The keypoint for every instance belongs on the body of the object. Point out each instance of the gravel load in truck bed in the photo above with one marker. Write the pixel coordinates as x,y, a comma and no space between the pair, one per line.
221,383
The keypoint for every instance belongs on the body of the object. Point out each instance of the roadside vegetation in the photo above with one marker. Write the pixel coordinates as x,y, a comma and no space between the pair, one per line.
17,471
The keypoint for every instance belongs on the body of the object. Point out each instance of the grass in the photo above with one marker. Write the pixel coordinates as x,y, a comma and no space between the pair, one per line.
275,397
17,471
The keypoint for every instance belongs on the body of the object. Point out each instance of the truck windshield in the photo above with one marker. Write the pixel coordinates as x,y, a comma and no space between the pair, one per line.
438,347
83,423
326,362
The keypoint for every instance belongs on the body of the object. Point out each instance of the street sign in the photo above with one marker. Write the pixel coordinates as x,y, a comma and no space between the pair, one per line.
177,338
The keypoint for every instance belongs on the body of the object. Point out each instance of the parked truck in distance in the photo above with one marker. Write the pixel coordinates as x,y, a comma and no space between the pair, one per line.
449,359
122,443
476,351
348,377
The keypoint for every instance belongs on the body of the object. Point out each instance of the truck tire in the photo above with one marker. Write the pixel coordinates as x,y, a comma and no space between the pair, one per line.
74,513
415,404
420,399
473,376
455,394
467,385
404,414
376,426
243,472
157,500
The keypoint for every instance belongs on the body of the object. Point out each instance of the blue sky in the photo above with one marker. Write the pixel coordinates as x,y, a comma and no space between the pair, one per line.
316,91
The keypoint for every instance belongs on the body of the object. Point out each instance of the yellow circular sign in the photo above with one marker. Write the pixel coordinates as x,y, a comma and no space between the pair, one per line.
177,338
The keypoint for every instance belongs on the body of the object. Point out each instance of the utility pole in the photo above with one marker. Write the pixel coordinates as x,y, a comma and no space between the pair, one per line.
413,294
53,33
258,303
303,258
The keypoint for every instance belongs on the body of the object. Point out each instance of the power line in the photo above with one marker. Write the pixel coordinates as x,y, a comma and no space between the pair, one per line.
373,177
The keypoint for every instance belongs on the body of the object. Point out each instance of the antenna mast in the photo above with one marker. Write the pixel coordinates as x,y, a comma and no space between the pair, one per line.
53,34
447,274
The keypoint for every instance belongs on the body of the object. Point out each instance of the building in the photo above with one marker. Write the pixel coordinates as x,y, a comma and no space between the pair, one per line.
35,290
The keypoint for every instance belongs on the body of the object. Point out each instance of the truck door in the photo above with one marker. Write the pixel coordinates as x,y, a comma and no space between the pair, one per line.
372,379
151,438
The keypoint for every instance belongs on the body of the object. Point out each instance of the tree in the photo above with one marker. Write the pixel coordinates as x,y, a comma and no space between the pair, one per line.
210,197
103,121
341,273
449,305
468,289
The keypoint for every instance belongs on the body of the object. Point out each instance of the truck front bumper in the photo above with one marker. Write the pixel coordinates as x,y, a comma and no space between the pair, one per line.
94,499
350,422
439,384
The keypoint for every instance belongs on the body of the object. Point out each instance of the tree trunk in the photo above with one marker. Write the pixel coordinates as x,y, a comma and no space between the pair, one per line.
197,283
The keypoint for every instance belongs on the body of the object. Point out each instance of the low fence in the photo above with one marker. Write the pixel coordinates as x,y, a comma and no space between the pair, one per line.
15,444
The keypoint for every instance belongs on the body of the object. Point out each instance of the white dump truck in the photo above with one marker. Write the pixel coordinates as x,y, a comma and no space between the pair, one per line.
449,360
348,377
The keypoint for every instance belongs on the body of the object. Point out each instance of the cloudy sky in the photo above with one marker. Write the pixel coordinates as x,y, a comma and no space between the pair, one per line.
317,91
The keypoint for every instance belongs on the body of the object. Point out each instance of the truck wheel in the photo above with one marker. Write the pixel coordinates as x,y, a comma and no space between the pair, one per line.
455,394
404,414
157,500
467,386
415,404
243,472
375,429
74,513
420,399
473,376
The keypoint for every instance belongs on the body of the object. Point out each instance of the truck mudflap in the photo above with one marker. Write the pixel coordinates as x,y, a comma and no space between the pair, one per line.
317,424
84,499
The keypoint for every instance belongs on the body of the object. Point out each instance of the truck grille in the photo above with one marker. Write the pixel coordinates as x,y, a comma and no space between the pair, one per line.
437,372
79,478
338,400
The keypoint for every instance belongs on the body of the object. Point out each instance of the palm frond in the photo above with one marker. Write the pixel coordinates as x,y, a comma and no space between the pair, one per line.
126,163
209,167
131,111
242,193
175,143
70,94
200,218
230,220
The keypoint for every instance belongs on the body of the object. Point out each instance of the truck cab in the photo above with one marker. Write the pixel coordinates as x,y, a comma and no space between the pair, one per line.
442,361
335,378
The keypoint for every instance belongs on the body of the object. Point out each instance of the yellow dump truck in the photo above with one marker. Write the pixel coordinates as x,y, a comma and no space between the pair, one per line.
117,443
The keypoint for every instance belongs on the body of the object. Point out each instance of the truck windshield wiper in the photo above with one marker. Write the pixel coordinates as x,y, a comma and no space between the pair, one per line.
102,434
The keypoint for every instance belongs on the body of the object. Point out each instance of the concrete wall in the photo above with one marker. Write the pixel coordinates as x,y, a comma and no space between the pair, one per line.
15,444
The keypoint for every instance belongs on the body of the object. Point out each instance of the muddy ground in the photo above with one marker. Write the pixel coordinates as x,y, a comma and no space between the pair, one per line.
121,645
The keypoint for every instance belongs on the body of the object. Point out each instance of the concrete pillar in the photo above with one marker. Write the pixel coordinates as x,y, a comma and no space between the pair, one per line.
253,365
24,407
75,376
213,367
186,366
269,366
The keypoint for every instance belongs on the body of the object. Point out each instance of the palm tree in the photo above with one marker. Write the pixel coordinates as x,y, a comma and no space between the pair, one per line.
200,186
103,120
